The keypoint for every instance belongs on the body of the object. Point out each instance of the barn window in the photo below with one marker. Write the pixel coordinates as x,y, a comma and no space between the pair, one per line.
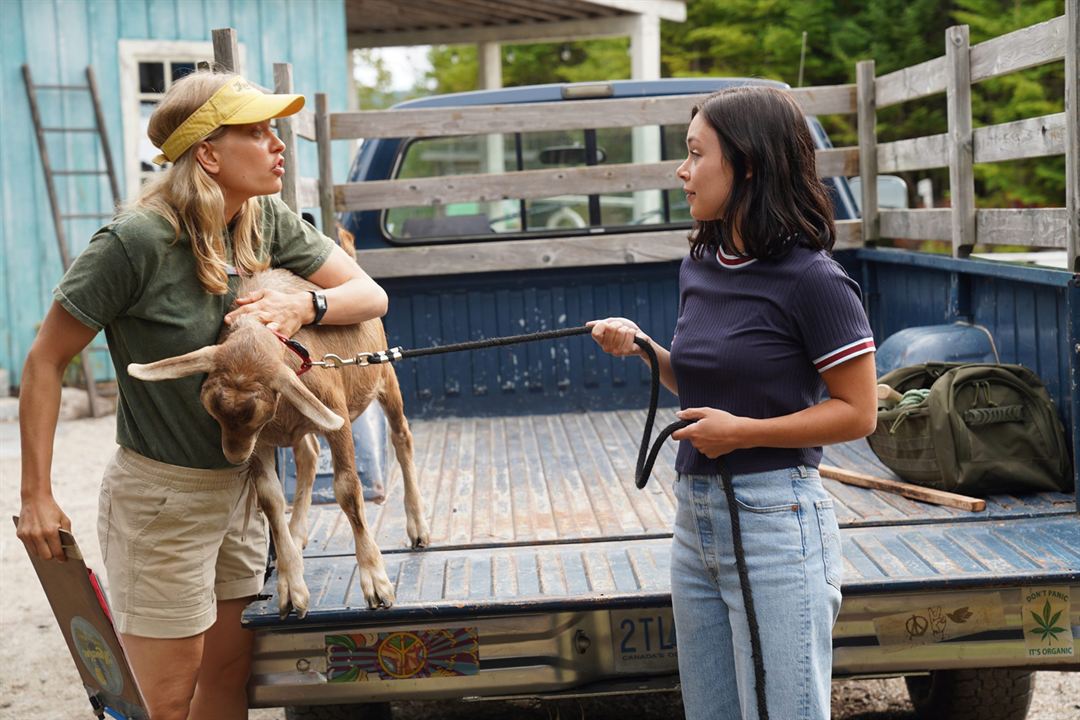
147,70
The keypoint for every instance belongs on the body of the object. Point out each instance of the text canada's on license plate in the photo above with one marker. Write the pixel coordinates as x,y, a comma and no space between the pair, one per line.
643,640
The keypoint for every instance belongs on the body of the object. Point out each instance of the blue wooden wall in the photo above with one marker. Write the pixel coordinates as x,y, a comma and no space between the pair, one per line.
58,39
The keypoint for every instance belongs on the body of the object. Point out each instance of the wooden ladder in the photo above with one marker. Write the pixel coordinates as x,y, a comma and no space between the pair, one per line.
50,183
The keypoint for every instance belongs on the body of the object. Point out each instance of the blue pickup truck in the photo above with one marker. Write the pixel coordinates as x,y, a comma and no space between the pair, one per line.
547,575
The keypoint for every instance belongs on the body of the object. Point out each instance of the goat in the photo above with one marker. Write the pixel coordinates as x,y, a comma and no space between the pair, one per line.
249,371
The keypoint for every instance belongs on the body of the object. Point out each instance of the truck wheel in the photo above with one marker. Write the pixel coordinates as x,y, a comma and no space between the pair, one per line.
983,694
360,711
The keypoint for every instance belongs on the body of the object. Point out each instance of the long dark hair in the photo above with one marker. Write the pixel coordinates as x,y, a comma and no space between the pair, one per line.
763,132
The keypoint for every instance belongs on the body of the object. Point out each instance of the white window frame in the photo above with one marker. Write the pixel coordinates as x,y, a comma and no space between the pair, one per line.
133,52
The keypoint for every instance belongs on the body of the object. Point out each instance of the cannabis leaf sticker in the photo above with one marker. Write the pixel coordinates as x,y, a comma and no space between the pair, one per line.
1047,628
960,616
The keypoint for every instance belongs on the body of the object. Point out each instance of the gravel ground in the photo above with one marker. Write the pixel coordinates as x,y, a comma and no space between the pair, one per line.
39,680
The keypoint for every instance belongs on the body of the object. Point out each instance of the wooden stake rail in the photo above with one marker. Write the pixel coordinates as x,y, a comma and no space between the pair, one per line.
912,492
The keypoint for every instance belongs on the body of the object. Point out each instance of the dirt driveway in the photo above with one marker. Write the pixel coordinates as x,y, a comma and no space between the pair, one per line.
38,678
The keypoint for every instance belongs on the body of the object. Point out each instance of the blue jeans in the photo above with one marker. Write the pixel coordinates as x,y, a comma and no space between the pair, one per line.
792,546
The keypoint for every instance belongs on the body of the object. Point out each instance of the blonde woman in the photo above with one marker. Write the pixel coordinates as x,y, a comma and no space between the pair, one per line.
181,559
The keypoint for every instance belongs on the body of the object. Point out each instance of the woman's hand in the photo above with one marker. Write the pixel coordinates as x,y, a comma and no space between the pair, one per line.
713,433
282,312
40,520
616,336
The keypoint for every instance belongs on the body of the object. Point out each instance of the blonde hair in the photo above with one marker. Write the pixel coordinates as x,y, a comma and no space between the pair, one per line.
189,198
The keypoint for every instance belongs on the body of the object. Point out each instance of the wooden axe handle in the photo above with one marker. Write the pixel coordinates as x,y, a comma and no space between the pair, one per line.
884,392
914,492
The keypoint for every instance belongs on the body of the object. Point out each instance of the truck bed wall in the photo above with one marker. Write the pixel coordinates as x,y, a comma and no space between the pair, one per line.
551,376
1027,316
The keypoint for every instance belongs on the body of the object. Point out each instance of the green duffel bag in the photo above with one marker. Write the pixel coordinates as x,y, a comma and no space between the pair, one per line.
982,429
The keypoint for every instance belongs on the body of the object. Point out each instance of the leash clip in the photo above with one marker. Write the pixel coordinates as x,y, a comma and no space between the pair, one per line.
299,350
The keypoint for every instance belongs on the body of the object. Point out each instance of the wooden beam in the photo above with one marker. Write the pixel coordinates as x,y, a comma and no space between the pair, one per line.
919,153
526,184
916,224
283,83
1031,227
961,157
500,255
826,99
569,115
1021,49
326,169
926,78
531,184
226,55
1072,135
908,490
842,161
868,171
1033,137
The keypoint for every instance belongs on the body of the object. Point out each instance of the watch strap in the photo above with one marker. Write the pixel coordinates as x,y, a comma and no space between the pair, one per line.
318,302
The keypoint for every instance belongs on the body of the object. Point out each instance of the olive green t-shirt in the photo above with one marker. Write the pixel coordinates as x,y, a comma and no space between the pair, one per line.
139,283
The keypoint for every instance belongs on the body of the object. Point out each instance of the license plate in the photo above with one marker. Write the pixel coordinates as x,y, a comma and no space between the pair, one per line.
643,640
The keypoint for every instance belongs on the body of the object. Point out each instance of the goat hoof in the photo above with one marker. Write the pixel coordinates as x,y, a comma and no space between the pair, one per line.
379,593
292,596
419,534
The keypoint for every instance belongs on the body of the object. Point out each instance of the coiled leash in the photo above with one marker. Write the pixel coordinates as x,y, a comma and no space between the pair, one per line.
646,455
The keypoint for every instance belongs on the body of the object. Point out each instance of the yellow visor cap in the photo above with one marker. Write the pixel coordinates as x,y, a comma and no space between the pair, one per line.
237,102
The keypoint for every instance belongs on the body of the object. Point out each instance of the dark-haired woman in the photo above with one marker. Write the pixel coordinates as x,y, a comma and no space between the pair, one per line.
772,358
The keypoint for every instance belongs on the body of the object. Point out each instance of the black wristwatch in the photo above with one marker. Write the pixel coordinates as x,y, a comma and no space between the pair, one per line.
318,301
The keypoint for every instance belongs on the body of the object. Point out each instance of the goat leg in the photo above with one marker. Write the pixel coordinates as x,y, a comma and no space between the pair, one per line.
306,452
376,586
401,437
292,590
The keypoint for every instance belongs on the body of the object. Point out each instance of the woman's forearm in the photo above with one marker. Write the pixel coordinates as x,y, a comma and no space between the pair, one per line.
828,422
354,301
39,409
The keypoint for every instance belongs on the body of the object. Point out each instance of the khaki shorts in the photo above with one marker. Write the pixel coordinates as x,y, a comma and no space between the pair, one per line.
175,542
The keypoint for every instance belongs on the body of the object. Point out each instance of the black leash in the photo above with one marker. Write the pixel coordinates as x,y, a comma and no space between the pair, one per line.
646,455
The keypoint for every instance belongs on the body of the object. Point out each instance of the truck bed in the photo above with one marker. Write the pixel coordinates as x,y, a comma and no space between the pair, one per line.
540,512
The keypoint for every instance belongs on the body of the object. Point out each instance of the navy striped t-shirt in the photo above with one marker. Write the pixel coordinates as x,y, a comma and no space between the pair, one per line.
753,338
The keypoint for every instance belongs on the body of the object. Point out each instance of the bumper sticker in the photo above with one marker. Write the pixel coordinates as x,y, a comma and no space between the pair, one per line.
402,655
939,623
1047,625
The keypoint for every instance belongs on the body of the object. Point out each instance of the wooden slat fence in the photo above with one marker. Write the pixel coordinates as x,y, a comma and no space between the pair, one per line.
958,149
962,146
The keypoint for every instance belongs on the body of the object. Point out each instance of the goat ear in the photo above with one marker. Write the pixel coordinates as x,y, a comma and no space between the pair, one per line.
196,361
305,401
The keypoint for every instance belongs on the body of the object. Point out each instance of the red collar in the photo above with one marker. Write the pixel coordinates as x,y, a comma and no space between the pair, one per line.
298,348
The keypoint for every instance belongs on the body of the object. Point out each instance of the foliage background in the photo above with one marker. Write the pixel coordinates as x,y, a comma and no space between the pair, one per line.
763,38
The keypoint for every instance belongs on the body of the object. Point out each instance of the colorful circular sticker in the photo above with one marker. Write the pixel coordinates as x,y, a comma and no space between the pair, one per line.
96,655
402,654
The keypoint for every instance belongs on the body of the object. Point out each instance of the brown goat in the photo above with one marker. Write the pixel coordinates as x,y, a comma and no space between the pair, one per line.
249,372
